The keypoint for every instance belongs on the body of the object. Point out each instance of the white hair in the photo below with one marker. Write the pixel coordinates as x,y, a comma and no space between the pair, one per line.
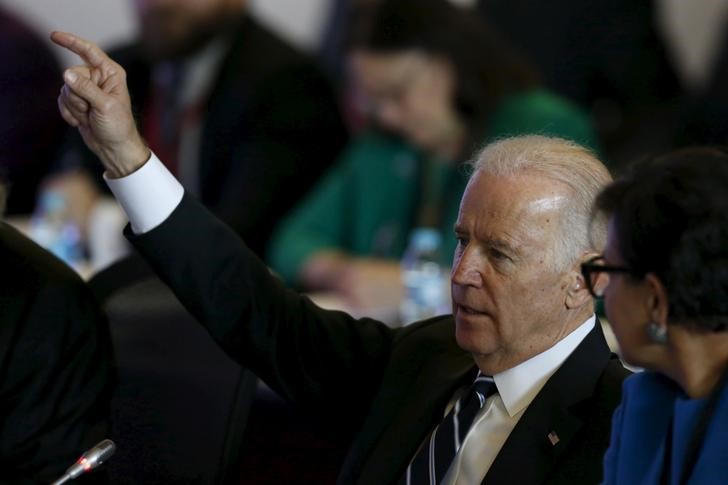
564,162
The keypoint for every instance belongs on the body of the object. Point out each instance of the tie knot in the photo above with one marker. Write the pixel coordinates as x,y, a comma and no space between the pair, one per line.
482,389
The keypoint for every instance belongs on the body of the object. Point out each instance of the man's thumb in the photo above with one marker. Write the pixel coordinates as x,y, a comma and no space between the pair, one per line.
82,85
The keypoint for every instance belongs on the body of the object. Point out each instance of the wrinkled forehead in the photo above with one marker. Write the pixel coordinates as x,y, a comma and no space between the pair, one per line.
523,210
519,194
547,203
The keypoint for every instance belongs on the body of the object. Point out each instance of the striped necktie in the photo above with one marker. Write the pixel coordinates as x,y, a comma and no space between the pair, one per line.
434,457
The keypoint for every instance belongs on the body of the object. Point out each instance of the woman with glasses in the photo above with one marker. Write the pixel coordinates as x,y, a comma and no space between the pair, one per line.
664,281
436,84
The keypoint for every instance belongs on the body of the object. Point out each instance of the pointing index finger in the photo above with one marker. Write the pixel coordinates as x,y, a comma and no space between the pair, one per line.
86,50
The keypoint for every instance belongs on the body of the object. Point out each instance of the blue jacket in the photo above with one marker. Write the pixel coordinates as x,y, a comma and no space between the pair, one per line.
651,403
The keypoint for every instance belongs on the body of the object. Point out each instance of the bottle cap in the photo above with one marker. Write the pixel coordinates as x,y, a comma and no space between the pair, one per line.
425,239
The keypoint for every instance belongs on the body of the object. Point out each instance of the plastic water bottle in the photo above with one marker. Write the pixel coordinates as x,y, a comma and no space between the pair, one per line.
424,279
53,228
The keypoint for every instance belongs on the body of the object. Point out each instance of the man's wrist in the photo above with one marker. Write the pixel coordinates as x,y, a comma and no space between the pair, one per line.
148,195
126,159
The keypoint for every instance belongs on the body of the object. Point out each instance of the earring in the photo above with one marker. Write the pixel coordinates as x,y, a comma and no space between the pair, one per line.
657,333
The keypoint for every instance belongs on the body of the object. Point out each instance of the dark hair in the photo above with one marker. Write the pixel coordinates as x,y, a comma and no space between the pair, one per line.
670,214
486,67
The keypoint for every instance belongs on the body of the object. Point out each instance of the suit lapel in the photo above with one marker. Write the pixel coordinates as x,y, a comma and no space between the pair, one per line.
553,418
405,426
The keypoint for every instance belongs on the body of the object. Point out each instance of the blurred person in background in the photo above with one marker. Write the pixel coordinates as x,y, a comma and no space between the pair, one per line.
27,102
611,57
664,280
438,83
243,119
608,56
56,360
704,119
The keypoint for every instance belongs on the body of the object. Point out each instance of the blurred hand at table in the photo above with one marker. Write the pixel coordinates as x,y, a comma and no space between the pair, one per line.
372,283
79,193
98,219
361,283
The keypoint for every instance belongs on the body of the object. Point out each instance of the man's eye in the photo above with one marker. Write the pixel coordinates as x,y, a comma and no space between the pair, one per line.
498,255
462,241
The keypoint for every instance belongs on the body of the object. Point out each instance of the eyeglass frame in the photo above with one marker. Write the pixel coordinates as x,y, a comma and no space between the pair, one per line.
589,267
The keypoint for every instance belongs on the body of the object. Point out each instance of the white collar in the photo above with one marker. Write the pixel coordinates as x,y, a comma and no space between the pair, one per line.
519,385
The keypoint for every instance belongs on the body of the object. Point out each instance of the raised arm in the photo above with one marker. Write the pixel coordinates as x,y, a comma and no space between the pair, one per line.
307,354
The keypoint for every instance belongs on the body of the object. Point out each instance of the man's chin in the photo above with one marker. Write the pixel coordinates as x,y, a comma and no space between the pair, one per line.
173,42
161,51
473,341
420,140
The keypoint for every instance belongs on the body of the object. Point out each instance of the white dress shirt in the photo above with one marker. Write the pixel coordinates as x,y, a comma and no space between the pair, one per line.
517,387
151,194
148,196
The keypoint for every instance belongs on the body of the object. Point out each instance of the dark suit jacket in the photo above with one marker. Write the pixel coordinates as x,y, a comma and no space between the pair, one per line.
383,389
55,365
271,127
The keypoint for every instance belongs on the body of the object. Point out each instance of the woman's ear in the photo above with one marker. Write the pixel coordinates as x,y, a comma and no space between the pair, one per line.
657,303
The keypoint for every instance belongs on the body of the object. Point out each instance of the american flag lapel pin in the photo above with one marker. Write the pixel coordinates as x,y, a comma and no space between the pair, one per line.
553,438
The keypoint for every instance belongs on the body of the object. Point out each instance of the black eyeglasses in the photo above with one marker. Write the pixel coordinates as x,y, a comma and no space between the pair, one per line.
590,271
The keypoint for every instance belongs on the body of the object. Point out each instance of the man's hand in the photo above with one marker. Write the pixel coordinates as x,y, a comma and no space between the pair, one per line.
95,99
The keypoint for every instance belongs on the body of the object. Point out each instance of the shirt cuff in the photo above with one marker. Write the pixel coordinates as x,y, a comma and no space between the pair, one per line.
148,196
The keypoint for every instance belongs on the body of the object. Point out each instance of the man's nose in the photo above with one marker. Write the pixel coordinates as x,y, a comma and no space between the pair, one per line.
466,270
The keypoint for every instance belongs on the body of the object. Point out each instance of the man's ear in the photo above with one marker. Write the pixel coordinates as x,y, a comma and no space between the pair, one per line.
577,293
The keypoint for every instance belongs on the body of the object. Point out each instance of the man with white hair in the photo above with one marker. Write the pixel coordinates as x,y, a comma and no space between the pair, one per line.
517,386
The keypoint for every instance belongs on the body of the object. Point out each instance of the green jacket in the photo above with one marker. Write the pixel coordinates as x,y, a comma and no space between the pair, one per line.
369,201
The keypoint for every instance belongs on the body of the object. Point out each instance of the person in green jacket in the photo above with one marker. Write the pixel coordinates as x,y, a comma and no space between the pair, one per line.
438,84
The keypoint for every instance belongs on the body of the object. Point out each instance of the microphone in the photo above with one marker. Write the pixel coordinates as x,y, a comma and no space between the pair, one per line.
90,460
